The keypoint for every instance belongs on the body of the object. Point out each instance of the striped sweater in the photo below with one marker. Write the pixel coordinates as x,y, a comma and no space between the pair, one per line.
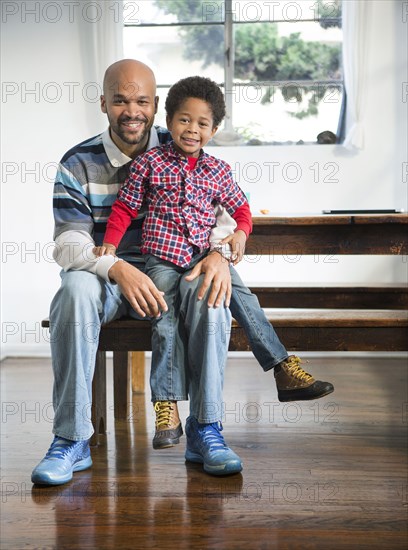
88,179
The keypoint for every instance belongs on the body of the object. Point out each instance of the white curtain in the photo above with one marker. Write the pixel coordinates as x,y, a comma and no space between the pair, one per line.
101,37
100,29
356,24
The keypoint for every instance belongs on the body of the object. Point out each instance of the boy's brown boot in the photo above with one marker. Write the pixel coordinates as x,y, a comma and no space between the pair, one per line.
168,425
295,384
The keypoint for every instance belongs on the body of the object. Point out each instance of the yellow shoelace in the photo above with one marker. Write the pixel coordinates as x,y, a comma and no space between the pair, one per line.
164,410
296,370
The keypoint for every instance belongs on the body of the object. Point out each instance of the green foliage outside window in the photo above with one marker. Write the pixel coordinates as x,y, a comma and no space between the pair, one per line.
261,54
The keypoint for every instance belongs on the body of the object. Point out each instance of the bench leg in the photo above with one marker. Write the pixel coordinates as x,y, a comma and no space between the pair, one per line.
99,411
137,362
120,384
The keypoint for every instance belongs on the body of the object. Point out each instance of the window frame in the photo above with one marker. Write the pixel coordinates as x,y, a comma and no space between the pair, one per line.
229,59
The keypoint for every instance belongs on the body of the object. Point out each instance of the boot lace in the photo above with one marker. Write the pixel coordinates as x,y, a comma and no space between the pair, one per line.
164,411
295,370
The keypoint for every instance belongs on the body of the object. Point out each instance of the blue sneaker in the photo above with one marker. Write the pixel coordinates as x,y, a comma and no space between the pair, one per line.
63,458
206,445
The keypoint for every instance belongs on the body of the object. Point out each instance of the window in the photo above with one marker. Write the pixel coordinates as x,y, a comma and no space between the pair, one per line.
278,61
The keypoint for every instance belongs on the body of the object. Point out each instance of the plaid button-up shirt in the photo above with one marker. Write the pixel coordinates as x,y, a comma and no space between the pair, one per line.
180,202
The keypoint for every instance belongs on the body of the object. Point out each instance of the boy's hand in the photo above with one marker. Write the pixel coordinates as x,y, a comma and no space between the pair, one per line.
237,243
105,250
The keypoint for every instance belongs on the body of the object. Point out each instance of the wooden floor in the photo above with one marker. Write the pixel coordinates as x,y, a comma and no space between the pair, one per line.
328,474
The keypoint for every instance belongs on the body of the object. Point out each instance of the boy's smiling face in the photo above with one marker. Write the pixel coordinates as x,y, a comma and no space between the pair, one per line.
192,126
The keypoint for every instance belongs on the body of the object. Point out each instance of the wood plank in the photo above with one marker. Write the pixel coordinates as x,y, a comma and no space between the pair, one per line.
391,296
347,330
344,234
137,367
297,317
294,317
340,338
121,382
99,408
329,240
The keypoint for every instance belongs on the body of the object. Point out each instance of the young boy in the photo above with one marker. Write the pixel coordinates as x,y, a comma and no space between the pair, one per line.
180,184
292,381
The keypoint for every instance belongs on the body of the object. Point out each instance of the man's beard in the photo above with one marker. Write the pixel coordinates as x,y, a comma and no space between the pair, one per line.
135,137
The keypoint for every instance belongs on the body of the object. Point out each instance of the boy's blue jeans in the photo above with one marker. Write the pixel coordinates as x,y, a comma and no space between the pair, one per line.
189,342
85,301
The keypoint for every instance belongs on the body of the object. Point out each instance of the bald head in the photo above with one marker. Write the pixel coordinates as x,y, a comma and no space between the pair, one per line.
127,71
129,99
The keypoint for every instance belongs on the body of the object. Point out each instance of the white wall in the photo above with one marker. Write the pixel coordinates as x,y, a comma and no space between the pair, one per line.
38,128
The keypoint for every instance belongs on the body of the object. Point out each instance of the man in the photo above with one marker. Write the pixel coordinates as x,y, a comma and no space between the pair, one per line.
97,290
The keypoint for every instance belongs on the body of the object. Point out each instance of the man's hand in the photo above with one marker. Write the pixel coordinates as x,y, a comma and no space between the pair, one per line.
217,275
138,289
237,243
106,249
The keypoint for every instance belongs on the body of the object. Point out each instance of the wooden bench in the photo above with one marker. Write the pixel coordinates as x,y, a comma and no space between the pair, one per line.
332,318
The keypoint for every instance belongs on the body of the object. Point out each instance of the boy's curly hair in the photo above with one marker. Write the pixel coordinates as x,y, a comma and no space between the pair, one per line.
200,88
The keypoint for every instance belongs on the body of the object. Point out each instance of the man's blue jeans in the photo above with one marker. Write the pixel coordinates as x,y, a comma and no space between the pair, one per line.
85,301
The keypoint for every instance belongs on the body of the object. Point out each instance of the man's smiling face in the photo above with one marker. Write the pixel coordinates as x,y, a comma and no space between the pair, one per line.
129,101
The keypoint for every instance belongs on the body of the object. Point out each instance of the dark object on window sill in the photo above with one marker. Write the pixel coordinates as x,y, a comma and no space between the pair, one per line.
326,137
